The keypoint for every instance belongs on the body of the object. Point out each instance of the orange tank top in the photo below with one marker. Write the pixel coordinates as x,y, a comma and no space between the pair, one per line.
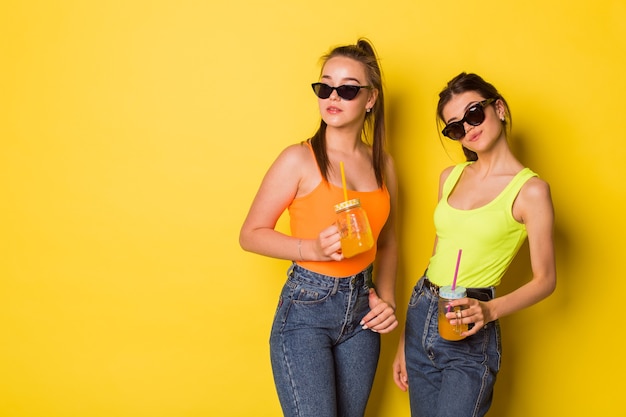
310,214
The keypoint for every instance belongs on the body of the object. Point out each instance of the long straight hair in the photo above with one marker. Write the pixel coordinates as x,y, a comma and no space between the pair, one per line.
364,53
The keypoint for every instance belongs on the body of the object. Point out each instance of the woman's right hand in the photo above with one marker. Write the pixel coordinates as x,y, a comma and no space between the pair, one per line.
328,245
399,367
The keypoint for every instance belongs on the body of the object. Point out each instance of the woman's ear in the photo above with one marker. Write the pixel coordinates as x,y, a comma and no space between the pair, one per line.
371,101
500,109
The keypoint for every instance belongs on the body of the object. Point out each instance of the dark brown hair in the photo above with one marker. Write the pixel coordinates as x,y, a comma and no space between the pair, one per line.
469,82
364,53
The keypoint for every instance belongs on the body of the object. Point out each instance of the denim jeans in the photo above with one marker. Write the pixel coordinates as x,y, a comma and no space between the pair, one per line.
448,378
322,359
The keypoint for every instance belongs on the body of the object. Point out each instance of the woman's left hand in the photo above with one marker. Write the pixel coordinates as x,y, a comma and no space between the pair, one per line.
382,316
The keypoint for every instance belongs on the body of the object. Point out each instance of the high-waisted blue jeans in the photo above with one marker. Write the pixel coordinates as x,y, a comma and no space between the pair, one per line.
448,378
323,361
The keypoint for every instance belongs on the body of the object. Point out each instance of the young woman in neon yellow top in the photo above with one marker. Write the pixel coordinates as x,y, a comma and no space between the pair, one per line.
487,207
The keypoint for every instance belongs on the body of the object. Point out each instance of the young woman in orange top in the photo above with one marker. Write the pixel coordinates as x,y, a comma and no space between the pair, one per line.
325,338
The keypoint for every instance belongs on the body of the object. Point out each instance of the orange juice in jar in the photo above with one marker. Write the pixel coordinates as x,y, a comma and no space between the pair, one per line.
354,228
446,330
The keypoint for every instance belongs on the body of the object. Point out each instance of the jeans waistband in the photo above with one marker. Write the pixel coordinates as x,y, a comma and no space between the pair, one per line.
482,294
326,281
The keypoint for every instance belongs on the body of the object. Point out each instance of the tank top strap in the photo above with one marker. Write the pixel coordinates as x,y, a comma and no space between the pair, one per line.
516,184
452,179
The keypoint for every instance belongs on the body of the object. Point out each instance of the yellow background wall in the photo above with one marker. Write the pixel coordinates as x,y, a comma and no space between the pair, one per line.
134,135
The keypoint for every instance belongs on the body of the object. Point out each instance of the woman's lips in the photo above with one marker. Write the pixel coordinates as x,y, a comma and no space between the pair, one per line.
474,137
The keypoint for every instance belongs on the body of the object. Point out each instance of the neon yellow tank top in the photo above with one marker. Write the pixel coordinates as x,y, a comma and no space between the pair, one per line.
489,236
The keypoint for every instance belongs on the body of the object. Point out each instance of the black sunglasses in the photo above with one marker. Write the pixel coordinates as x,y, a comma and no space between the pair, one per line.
346,92
474,116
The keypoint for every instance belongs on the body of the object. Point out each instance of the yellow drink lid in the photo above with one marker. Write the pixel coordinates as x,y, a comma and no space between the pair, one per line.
355,202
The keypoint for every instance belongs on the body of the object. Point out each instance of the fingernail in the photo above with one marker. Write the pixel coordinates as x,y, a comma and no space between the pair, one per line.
361,323
365,327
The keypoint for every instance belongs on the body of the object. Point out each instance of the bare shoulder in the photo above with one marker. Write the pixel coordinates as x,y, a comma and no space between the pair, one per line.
533,201
535,189
296,153
293,158
390,165
296,165
445,174
442,179
388,158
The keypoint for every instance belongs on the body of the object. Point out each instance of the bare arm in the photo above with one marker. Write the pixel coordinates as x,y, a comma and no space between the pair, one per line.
399,366
281,184
534,208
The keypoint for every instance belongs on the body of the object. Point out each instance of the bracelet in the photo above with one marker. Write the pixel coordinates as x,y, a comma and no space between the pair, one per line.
300,249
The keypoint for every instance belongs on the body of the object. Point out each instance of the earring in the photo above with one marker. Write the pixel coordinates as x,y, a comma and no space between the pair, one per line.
368,110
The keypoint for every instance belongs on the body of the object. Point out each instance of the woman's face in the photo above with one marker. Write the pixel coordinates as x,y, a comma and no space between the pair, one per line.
481,137
340,112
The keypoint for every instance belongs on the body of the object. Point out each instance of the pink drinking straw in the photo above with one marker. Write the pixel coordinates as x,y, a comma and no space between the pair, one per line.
456,271
456,274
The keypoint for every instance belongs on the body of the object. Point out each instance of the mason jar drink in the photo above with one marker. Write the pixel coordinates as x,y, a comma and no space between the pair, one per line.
446,330
356,234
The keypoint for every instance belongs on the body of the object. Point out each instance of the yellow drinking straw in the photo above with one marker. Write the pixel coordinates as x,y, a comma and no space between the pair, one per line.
343,182
345,194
